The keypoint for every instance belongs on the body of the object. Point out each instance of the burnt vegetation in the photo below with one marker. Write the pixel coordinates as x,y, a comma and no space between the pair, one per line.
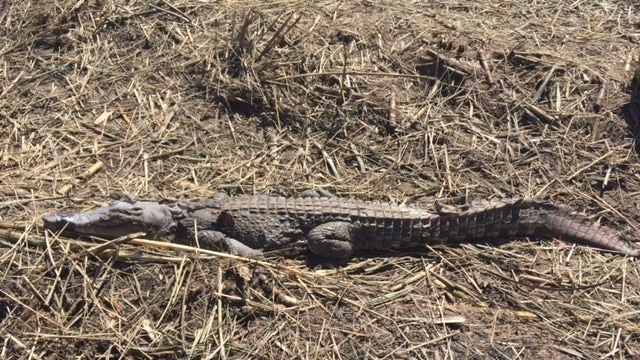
373,100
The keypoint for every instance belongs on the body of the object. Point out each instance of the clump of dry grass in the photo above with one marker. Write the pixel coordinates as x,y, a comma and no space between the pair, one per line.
398,102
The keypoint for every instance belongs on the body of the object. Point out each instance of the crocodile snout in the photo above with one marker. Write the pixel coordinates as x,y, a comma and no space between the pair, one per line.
56,222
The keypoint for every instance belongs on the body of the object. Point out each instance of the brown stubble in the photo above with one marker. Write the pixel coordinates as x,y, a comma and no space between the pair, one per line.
399,101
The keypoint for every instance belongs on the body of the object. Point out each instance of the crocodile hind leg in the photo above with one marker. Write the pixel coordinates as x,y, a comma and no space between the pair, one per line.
215,240
317,193
332,240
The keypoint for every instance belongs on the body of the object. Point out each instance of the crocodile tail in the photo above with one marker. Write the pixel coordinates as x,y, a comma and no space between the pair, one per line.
566,224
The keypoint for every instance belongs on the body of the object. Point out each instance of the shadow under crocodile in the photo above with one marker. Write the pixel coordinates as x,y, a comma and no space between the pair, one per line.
631,110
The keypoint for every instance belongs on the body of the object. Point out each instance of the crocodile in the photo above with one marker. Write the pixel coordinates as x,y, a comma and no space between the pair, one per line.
333,227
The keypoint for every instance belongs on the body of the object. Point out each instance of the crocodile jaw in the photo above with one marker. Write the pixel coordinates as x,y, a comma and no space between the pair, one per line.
118,219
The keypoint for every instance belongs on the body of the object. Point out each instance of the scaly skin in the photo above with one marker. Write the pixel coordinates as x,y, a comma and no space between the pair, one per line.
335,227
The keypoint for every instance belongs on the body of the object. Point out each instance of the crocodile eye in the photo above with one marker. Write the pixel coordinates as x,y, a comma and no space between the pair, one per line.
134,210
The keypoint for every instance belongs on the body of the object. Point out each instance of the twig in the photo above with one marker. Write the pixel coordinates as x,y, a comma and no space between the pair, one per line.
597,105
85,175
581,170
483,62
538,93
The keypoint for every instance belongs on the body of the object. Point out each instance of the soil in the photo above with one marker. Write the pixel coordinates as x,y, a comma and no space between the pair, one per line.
393,101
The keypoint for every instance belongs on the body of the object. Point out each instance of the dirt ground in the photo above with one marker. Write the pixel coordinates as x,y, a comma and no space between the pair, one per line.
393,101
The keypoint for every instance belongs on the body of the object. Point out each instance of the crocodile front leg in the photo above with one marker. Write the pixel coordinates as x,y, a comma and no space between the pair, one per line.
333,240
215,240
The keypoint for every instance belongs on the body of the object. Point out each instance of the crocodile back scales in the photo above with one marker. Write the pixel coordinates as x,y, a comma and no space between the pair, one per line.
383,226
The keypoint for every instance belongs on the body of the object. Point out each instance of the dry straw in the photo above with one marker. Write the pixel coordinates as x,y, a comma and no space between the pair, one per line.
395,101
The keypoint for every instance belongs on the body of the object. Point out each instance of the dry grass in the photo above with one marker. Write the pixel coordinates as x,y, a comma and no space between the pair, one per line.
397,102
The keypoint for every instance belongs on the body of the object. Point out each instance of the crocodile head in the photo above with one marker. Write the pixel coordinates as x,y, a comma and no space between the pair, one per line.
118,219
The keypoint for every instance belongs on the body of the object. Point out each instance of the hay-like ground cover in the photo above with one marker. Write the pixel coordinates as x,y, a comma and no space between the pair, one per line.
394,101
